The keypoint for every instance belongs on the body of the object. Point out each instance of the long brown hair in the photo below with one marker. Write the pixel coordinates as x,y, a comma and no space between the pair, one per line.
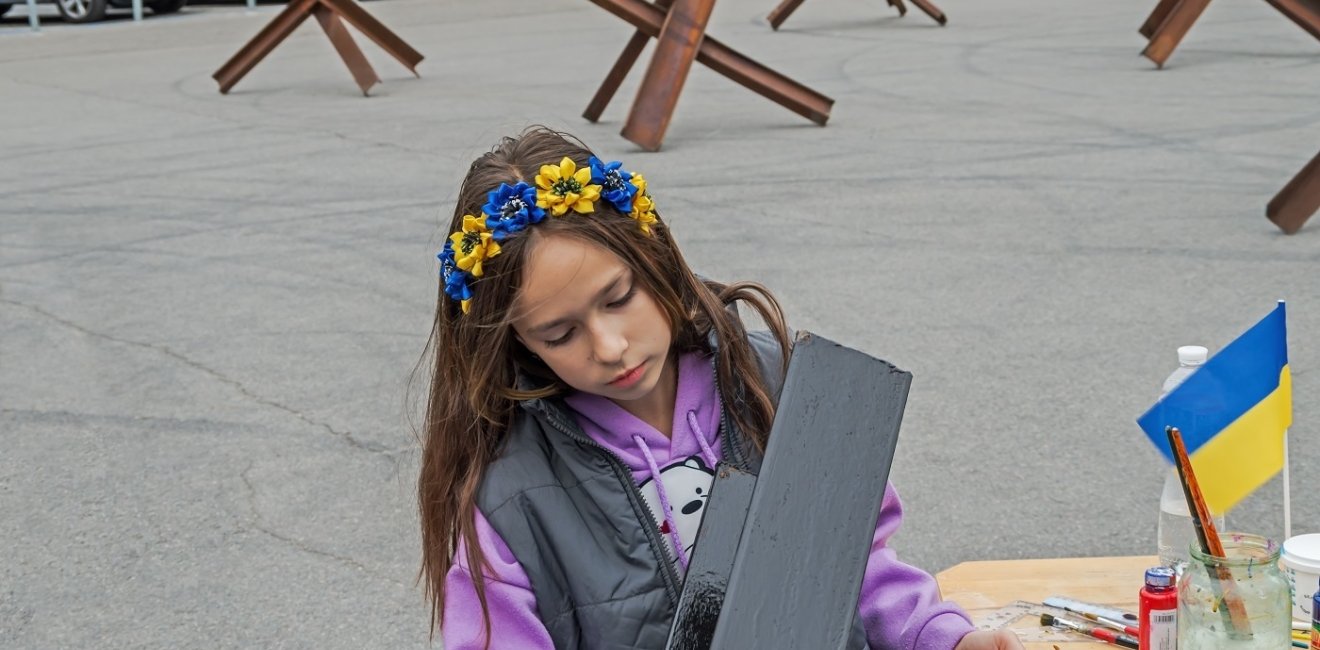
475,361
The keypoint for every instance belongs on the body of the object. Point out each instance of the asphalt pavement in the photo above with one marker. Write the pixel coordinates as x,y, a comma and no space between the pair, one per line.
211,306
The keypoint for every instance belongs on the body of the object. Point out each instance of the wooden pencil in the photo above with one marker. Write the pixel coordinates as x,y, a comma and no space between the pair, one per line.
1206,534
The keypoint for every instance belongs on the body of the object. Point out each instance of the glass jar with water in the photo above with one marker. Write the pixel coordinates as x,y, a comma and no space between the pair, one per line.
1238,602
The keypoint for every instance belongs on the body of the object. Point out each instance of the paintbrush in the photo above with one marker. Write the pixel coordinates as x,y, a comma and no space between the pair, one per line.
1112,624
1206,534
1093,631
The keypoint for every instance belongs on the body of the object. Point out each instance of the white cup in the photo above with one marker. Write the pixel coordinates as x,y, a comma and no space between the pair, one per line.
1300,560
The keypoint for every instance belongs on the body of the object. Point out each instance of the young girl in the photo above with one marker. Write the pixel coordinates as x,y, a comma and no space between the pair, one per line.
585,384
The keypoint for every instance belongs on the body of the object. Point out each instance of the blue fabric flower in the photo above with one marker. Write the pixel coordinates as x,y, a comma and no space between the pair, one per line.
455,279
509,209
613,180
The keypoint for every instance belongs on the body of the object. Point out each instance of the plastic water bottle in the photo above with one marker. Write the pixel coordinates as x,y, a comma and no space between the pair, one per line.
1176,532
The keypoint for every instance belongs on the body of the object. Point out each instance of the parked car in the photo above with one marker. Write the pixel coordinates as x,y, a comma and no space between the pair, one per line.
86,11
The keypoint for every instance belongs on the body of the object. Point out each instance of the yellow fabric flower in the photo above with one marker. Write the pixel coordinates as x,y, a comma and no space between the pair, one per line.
473,245
643,209
564,187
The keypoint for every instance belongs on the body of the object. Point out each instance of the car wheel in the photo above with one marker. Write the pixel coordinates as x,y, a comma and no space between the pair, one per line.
167,6
81,11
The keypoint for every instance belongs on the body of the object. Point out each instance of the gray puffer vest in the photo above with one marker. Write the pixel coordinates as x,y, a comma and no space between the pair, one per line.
570,513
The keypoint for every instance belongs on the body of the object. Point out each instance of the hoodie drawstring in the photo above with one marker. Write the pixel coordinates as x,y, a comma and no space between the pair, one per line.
664,500
706,451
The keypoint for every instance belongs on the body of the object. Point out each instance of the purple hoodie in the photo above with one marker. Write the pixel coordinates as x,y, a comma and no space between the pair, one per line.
900,605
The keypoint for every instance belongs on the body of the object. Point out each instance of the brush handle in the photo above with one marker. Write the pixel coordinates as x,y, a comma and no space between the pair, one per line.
1115,638
1206,533
1111,623
1127,641
1094,631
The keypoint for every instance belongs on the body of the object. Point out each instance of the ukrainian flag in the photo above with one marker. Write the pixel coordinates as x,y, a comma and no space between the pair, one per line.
1233,413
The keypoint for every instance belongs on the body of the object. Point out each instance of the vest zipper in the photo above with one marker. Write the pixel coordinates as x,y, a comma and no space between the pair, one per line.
621,471
732,450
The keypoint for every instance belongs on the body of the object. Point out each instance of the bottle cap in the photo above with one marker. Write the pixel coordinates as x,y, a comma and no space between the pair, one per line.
1192,355
1161,576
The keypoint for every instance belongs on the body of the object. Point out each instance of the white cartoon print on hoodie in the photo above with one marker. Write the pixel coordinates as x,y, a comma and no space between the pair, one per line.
687,486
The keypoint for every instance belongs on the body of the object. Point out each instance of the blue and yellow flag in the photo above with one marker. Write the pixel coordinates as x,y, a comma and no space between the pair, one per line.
1233,413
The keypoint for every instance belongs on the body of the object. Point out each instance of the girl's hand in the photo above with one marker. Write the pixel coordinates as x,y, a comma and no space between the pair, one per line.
990,640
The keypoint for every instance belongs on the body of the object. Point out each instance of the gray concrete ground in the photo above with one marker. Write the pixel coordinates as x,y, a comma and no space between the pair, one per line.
210,305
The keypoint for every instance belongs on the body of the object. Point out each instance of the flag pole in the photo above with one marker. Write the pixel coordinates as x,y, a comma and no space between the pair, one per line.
1287,490
1287,493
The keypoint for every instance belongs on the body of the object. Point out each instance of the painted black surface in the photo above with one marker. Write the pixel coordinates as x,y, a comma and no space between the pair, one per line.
798,569
712,560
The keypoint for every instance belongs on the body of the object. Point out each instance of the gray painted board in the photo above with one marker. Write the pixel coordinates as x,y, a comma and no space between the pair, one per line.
798,569
712,559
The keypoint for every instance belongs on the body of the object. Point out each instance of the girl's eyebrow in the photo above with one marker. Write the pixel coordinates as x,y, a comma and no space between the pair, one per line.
600,295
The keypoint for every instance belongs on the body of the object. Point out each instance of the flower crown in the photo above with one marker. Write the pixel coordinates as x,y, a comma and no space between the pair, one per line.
559,189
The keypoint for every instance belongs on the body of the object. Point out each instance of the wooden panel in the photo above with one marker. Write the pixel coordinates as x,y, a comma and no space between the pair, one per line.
799,567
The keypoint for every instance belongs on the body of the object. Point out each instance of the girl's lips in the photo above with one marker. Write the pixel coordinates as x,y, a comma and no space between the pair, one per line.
629,378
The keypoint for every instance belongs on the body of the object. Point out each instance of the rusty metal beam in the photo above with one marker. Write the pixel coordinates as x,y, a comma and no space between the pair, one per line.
676,47
1172,30
1298,200
1157,17
1306,13
785,9
798,569
329,14
649,19
1170,21
622,66
931,10
352,55
373,29
256,49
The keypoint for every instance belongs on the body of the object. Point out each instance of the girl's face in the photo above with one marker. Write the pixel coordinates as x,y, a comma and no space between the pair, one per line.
581,310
